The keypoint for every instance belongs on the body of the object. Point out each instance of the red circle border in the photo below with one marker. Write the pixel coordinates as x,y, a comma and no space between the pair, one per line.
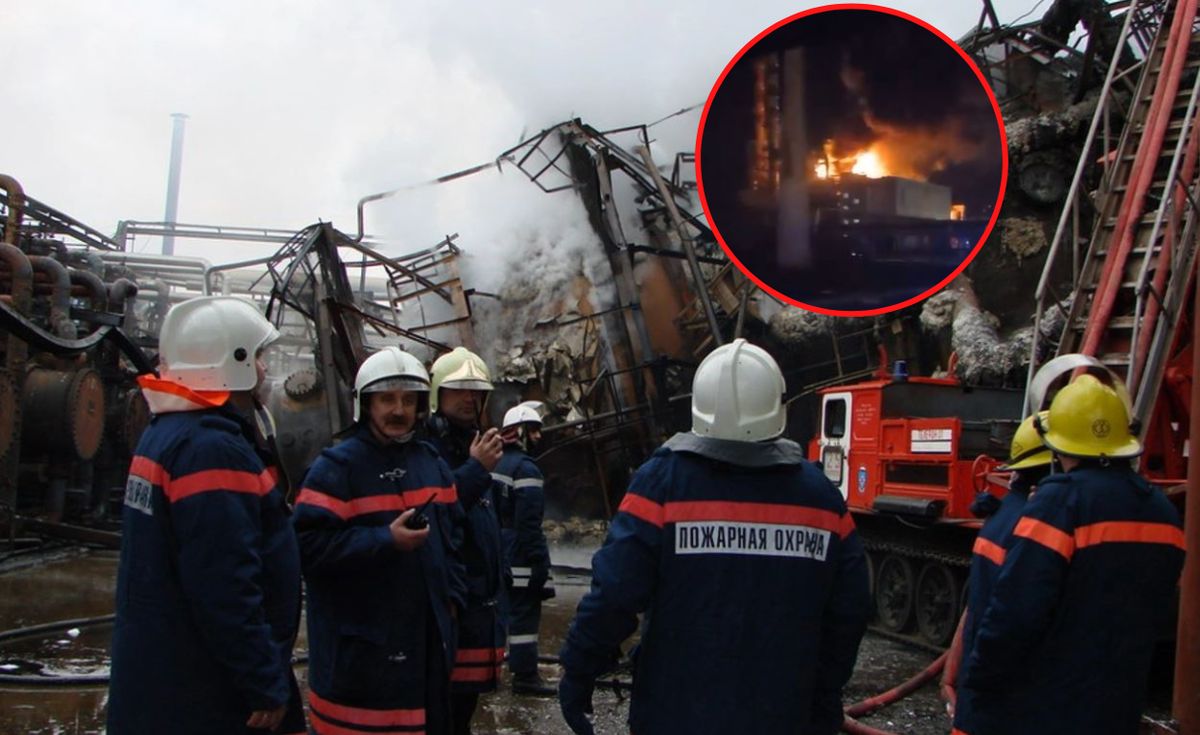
987,231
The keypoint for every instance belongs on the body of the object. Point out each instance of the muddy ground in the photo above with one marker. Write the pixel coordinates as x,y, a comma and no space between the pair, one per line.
79,586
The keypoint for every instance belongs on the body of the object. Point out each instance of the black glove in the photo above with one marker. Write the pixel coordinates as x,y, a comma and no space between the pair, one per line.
985,505
575,700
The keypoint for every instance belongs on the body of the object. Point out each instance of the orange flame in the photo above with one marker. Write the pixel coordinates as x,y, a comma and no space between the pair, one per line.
867,162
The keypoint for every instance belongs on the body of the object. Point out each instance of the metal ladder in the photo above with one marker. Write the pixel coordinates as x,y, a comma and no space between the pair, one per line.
1129,286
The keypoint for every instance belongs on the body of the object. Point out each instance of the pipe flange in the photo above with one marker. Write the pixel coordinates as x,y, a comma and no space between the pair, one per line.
85,412
303,384
134,418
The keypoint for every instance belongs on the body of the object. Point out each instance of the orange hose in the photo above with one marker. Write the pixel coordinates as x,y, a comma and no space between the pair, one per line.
854,727
867,706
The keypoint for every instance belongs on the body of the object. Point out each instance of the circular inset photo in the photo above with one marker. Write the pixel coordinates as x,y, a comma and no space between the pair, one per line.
851,160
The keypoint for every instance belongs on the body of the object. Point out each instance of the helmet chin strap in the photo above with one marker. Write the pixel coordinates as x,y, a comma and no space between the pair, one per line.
405,439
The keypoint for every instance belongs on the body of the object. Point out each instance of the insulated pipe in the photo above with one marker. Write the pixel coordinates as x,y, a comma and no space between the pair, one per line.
22,275
99,294
1186,701
121,294
42,286
16,207
119,291
60,298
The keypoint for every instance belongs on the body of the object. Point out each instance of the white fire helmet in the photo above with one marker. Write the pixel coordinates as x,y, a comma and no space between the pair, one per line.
522,413
389,369
737,393
210,343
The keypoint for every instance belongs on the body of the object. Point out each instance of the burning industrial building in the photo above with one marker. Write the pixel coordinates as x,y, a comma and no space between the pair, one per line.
860,187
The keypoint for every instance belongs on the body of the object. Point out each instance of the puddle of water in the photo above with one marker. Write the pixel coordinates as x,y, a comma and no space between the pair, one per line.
83,587
76,587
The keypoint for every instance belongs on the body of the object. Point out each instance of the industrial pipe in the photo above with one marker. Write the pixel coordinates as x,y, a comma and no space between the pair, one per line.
1186,698
60,299
22,275
119,291
44,287
16,207
95,286
121,294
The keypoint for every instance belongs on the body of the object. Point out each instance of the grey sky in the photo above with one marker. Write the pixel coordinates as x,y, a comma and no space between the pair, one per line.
299,108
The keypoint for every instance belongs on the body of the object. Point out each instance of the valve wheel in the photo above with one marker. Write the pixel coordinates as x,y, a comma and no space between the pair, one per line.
980,469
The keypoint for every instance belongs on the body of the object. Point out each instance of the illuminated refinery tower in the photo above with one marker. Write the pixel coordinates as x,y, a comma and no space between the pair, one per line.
778,175
765,162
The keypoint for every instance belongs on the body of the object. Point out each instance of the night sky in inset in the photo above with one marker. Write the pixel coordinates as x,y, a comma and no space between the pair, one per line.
864,65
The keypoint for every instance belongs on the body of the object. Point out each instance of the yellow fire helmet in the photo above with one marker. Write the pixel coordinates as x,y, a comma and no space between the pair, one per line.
1027,450
1088,419
459,368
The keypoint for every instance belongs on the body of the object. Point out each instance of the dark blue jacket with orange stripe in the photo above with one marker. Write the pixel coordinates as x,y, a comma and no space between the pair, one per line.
1087,585
990,548
208,587
376,615
754,582
481,625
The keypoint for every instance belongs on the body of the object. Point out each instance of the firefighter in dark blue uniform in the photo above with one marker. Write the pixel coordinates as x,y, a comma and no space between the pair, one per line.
459,386
1029,462
208,587
747,564
1065,642
376,530
521,507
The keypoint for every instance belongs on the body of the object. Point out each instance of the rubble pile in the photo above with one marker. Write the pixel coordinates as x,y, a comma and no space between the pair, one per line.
987,353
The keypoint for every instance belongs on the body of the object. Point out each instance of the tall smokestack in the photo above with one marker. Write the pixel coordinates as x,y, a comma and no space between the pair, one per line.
795,219
178,118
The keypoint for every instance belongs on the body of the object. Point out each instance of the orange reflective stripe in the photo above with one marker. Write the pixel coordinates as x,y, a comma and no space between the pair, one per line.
322,726
347,509
1043,533
643,508
1135,532
418,497
318,499
379,504
847,525
479,655
365,716
989,550
207,398
204,481
149,470
723,510
956,731
476,673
